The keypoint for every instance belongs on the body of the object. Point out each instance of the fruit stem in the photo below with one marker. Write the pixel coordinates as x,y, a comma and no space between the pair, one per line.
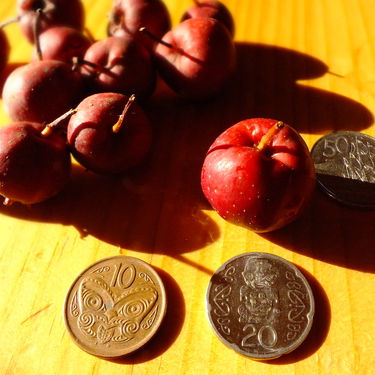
77,61
270,134
36,27
48,130
9,21
143,30
116,127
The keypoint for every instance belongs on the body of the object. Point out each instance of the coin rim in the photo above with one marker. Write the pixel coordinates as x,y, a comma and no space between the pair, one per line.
324,187
141,342
310,314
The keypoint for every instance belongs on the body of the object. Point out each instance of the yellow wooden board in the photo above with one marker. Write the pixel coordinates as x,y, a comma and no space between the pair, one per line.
310,63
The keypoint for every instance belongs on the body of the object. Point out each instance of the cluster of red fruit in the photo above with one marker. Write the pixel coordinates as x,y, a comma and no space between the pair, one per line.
258,173
107,132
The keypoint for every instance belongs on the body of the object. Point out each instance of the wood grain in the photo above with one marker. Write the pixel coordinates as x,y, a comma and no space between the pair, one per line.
310,63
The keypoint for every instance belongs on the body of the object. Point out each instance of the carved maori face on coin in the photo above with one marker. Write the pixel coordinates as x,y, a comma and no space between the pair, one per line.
259,273
115,306
258,299
260,305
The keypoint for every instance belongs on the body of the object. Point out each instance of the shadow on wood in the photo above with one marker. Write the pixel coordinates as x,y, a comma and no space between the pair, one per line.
159,207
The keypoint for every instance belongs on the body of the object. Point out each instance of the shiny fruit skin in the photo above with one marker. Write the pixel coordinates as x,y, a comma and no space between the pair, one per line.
265,189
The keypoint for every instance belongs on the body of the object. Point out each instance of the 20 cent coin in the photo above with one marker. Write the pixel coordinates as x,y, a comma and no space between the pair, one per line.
260,305
115,306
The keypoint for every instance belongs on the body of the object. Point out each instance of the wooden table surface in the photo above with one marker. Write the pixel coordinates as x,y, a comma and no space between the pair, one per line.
310,63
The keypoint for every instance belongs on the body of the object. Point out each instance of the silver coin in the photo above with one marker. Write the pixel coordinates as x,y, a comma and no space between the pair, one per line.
260,305
345,167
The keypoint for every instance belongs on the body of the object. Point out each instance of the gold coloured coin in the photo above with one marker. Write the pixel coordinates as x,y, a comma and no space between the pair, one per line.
115,306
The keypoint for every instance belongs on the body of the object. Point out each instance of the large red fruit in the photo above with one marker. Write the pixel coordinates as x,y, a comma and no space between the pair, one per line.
119,64
196,58
54,13
41,90
127,16
61,43
258,173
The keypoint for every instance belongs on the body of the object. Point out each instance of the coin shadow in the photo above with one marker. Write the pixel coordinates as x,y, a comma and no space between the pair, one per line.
319,329
169,329
331,232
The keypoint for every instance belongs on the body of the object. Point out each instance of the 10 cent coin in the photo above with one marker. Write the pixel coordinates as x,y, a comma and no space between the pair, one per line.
115,306
260,305
345,167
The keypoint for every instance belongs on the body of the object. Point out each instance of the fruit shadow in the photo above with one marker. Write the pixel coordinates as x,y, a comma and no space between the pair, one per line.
319,329
267,83
132,212
169,329
333,233
159,207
